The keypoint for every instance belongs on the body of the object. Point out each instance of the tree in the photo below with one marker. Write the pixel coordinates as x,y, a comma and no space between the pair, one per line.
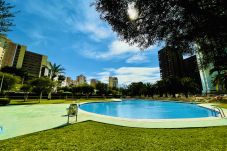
87,90
8,81
188,85
61,78
102,88
6,16
220,79
150,90
41,85
56,70
177,23
137,89
26,88
17,72
161,87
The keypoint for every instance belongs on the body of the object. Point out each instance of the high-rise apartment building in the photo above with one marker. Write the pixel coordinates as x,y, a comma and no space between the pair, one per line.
19,56
93,83
34,63
80,80
171,63
2,49
191,70
113,82
16,55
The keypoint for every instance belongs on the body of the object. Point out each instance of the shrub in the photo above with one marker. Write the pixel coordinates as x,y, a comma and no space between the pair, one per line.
4,101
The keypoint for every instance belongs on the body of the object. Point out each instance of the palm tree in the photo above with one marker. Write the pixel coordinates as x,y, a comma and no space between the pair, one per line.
219,80
56,70
188,85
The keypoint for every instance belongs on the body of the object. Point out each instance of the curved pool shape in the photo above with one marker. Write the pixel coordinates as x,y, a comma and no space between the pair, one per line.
143,109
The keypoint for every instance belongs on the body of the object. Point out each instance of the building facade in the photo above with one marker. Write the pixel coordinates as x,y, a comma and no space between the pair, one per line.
170,62
17,56
191,70
35,63
93,83
81,80
2,49
113,82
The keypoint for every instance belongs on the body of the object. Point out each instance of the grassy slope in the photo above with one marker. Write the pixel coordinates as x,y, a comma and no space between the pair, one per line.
96,136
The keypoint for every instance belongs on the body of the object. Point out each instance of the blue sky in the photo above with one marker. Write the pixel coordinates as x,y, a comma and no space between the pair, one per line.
71,33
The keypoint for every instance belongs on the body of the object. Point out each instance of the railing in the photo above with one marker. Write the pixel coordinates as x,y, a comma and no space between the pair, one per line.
220,111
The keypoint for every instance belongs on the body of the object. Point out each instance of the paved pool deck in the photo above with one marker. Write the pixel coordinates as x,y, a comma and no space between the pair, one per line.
24,119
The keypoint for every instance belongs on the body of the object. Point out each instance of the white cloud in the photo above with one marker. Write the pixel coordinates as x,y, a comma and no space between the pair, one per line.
72,16
119,49
137,58
126,75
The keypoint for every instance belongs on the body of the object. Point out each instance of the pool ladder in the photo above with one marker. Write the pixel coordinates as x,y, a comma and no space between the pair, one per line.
220,111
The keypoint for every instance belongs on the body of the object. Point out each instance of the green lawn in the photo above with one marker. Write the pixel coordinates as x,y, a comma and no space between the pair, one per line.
44,101
97,136
222,105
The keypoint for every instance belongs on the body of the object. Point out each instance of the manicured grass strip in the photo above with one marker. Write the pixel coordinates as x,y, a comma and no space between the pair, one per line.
97,136
44,101
222,105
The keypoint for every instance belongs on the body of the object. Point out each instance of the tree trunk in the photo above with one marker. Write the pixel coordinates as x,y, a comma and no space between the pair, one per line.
25,97
186,94
40,97
49,96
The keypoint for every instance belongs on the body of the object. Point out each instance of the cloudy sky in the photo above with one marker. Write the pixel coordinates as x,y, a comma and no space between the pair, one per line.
71,33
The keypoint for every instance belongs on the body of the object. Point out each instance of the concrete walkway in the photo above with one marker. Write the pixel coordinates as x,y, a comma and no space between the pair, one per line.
25,119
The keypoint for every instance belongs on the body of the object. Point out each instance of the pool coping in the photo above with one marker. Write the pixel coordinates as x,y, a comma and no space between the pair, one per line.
157,123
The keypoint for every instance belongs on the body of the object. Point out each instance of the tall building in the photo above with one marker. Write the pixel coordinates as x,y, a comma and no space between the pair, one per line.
34,63
19,56
2,49
113,82
12,54
80,80
191,70
46,68
93,83
171,63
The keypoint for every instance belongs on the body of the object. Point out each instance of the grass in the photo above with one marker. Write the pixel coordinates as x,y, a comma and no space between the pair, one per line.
222,105
44,101
97,136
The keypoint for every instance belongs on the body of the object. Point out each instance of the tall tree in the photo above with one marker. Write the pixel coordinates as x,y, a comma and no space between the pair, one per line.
102,88
188,86
56,70
15,71
26,88
41,85
178,23
8,81
6,16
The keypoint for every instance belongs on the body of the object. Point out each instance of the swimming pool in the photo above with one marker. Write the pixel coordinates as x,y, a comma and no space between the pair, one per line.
146,109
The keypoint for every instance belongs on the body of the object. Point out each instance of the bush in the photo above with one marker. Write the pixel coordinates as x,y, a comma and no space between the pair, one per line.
4,101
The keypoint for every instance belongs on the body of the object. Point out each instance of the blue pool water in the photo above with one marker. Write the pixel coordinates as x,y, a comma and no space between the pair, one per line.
143,109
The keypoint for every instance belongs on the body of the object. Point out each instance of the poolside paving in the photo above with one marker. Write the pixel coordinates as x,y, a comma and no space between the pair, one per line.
25,119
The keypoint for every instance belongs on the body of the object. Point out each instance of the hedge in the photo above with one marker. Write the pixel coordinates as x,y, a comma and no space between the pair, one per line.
4,101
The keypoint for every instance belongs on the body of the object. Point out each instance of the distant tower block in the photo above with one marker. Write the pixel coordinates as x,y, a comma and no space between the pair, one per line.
113,82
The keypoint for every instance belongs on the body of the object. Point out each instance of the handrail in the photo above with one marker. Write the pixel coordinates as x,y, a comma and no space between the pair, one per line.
220,110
